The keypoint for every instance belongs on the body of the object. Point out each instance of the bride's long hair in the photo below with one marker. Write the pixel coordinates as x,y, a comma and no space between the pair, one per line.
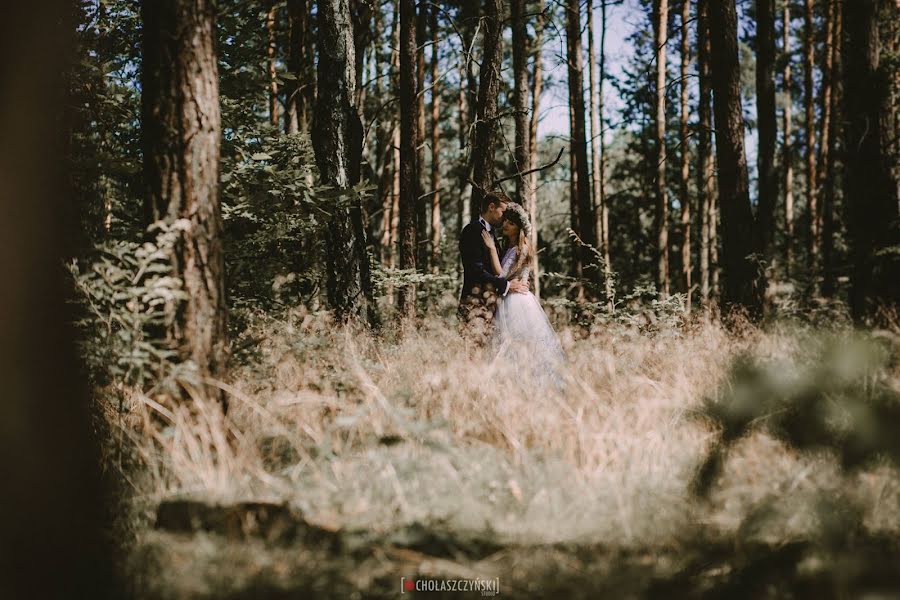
515,214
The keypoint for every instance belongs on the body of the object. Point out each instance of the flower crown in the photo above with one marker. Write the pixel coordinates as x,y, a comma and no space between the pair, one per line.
522,214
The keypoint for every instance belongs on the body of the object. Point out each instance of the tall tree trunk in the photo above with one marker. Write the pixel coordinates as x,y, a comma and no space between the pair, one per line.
788,151
684,136
704,150
271,53
51,510
660,33
435,147
295,106
181,126
833,73
482,157
337,135
594,98
537,85
868,187
409,168
603,216
809,44
768,123
830,110
744,282
422,254
522,150
584,217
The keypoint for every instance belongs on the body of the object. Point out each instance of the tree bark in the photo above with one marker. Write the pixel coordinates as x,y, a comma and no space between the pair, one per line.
409,168
704,151
830,110
181,126
660,33
788,151
684,140
522,150
482,158
537,85
435,147
868,187
337,135
744,281
422,253
603,217
584,217
768,128
809,43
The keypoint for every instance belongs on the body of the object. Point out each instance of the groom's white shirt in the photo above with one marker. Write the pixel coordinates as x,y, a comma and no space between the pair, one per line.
490,230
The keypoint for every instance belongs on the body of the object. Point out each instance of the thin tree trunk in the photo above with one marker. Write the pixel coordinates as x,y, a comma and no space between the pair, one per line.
295,111
868,187
660,29
704,150
409,168
809,43
522,150
422,253
537,84
584,217
271,52
768,123
594,97
744,282
684,136
482,157
337,137
181,126
833,73
435,147
788,152
603,218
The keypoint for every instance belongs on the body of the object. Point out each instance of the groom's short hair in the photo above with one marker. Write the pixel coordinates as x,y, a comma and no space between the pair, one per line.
497,198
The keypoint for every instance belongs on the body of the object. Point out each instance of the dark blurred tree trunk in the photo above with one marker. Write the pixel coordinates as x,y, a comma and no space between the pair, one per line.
522,150
869,191
422,254
704,149
409,168
583,218
295,100
271,53
809,65
536,87
831,109
684,140
788,151
435,146
337,136
744,281
181,125
482,157
603,216
52,507
660,33
768,123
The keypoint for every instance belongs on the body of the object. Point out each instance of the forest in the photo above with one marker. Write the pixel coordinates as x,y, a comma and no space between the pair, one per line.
234,260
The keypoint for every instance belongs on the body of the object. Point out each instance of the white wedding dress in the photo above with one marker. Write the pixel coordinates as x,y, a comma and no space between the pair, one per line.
523,334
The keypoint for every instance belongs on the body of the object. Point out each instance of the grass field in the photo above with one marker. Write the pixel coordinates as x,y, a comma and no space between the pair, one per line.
348,460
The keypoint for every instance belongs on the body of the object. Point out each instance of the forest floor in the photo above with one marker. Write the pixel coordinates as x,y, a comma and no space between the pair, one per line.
348,461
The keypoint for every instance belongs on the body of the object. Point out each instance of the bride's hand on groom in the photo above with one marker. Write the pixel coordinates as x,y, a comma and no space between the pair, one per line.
518,286
488,240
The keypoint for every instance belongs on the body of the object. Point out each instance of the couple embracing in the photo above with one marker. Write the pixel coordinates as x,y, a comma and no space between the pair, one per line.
496,299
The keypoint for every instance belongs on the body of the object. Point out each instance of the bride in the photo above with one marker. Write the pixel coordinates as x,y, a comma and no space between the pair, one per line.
522,331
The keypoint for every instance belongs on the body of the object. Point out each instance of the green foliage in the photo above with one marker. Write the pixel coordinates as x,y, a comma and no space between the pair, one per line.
126,293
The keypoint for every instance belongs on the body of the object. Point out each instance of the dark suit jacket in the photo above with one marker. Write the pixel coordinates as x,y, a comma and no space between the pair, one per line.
476,262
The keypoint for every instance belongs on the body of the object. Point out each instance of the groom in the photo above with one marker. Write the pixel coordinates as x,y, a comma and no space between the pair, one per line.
480,286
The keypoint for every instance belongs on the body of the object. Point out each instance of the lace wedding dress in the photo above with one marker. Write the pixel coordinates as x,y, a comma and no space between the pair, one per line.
523,334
